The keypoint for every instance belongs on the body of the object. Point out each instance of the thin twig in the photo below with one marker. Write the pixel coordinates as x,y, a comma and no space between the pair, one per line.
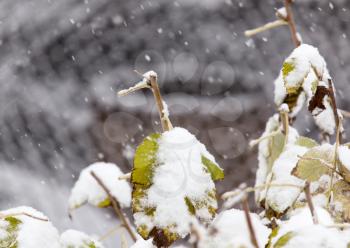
310,203
110,232
267,26
230,194
245,207
116,206
166,124
253,143
345,113
338,131
126,176
3,216
291,23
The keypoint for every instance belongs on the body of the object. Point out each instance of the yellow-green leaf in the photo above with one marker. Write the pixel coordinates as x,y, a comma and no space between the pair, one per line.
10,232
306,142
284,239
215,171
276,144
315,163
145,159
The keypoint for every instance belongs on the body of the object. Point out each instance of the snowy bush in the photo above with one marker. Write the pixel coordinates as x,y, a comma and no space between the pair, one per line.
302,186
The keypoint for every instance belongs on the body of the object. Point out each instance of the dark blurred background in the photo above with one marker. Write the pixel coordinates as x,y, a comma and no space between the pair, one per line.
62,62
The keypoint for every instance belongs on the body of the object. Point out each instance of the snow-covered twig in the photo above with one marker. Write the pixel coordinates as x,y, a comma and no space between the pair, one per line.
267,26
150,81
310,203
126,176
253,143
116,207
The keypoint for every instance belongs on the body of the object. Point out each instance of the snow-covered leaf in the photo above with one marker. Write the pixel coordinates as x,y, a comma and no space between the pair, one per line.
304,77
315,163
76,239
173,182
344,162
86,189
24,227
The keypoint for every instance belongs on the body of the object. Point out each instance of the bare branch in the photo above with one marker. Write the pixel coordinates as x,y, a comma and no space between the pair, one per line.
291,23
116,206
310,203
245,207
266,27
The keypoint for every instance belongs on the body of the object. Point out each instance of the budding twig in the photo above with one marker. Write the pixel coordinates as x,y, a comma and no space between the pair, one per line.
245,207
310,203
150,81
116,206
267,26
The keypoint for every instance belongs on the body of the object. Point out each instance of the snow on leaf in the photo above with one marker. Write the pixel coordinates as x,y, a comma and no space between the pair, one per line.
76,239
315,163
344,162
18,230
229,229
172,184
303,77
86,189
280,198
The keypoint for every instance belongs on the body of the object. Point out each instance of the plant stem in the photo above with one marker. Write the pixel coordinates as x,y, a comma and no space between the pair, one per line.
4,216
338,131
267,26
245,207
116,206
291,23
310,203
166,124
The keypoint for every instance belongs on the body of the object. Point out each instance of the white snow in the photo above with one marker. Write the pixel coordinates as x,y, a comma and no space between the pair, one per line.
141,243
72,238
230,229
33,233
281,198
344,156
180,174
86,189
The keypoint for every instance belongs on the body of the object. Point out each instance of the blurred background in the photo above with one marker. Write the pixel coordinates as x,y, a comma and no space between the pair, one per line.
62,62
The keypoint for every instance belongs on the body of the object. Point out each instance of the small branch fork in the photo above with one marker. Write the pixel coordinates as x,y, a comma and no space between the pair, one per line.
116,207
281,21
150,82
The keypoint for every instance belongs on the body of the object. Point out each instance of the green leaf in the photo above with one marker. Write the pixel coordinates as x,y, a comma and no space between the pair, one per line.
287,68
284,239
314,163
306,142
9,240
276,145
145,159
105,203
215,171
